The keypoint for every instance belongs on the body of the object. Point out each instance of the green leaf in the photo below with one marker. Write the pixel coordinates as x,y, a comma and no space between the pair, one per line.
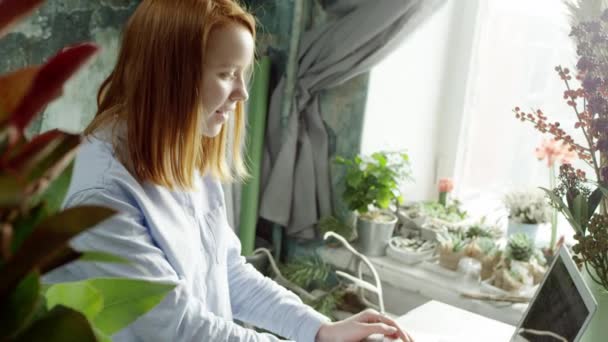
55,193
101,337
563,209
24,226
579,210
60,325
594,200
80,296
18,309
125,300
51,236
603,190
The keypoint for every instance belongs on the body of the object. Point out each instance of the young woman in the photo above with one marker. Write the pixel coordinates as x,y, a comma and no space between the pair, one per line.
156,152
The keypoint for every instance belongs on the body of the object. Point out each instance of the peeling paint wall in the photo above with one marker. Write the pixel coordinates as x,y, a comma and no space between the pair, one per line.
57,24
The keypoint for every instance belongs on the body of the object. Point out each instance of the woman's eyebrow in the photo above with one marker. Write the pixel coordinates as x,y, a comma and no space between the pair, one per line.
230,65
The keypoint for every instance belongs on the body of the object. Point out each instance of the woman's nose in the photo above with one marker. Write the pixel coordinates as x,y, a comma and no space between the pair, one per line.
240,92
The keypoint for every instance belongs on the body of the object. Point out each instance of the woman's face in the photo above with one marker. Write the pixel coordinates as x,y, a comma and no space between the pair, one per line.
227,60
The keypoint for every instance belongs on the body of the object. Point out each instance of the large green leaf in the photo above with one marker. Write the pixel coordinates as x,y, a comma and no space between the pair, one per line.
579,210
80,296
563,208
55,193
125,300
594,200
47,239
101,337
61,324
18,308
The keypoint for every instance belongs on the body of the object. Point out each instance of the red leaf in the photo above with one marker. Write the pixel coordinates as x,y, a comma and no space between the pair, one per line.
13,10
31,151
48,83
13,87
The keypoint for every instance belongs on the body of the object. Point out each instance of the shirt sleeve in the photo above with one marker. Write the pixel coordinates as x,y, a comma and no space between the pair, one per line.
260,301
180,316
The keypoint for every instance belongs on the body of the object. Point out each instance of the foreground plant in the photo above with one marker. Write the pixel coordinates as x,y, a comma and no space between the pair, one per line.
34,233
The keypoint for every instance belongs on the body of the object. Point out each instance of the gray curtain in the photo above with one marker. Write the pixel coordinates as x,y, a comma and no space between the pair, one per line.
296,182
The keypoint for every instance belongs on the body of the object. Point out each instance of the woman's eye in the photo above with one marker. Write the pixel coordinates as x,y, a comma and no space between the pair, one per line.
227,75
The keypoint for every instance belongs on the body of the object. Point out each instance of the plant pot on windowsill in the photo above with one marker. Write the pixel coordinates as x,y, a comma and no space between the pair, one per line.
374,230
530,229
448,258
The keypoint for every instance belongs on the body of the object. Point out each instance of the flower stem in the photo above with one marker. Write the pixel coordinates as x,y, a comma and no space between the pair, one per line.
443,196
554,211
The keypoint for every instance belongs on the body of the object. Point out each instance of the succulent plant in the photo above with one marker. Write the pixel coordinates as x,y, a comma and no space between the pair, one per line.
482,229
487,245
520,247
456,240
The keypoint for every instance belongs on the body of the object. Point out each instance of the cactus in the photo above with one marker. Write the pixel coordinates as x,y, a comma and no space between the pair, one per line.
520,247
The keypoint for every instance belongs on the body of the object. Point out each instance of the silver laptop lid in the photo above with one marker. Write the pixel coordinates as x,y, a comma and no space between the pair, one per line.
563,305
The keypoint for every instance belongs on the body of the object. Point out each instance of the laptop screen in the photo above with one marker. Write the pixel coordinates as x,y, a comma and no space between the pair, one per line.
558,307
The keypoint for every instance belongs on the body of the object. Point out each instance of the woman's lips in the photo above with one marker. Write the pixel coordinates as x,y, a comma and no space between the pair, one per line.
221,115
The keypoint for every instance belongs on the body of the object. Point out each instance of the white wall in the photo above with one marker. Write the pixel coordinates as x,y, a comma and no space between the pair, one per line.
404,100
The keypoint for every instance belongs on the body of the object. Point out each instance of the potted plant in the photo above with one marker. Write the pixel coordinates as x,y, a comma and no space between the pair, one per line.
451,249
520,268
529,210
371,192
489,256
432,217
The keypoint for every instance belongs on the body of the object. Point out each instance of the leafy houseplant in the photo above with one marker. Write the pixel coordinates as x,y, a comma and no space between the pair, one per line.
34,234
372,187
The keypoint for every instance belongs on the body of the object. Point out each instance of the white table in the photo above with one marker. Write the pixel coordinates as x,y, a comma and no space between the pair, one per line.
436,321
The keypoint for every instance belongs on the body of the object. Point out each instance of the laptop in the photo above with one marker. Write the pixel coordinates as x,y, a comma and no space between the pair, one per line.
563,305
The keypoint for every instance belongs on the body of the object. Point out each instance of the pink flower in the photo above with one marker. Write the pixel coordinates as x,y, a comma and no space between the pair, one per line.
554,150
446,185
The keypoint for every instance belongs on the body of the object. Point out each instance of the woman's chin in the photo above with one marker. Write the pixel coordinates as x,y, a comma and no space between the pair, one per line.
212,131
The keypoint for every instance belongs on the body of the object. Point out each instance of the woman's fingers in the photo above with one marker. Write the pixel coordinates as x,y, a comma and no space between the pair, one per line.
402,334
373,316
380,328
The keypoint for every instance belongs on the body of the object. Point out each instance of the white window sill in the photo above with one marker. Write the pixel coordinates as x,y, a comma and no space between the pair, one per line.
407,286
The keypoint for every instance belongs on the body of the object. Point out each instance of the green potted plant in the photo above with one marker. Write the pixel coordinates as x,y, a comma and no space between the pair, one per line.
372,192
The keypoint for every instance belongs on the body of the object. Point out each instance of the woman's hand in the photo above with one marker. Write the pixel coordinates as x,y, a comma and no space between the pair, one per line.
360,326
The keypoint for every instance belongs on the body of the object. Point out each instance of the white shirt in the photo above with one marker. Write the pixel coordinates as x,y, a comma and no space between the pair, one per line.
183,238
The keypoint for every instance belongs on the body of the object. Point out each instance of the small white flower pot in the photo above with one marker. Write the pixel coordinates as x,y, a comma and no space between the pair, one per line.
532,230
